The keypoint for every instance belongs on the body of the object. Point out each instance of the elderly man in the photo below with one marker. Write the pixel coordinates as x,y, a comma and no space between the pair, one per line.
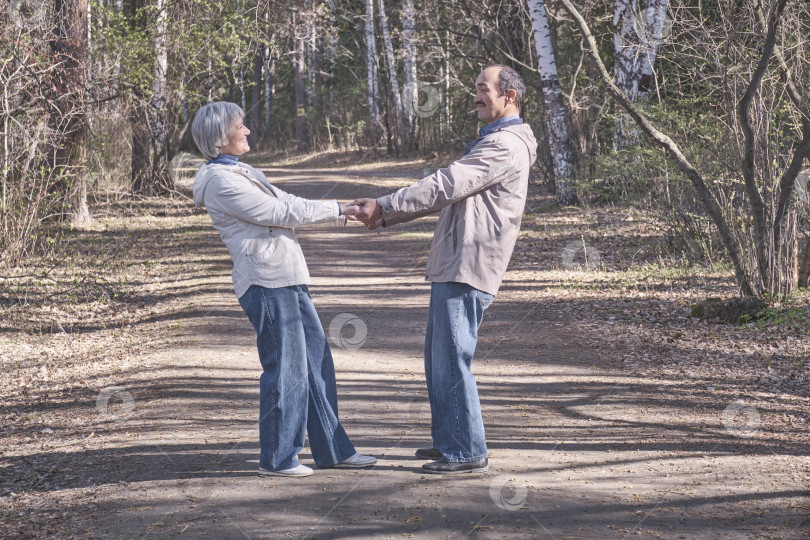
480,198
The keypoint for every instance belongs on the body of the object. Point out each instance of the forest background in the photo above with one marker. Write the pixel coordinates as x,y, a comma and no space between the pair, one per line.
694,113
670,198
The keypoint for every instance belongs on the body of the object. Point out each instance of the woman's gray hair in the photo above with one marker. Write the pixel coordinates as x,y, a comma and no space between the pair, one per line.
210,126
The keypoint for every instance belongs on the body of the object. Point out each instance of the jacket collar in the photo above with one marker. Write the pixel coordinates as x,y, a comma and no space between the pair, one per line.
506,121
501,123
246,171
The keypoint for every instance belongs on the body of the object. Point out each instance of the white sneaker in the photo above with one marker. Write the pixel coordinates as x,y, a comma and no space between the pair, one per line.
300,470
357,461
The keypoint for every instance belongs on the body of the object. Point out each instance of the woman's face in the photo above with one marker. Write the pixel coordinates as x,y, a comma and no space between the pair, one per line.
237,139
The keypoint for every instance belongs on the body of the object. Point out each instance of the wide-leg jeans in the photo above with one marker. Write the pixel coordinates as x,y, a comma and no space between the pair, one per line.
297,389
454,317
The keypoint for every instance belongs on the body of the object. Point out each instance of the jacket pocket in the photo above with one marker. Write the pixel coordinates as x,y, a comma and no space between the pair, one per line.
485,298
266,252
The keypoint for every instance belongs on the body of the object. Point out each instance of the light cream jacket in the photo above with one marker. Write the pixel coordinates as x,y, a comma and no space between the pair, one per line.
481,199
256,222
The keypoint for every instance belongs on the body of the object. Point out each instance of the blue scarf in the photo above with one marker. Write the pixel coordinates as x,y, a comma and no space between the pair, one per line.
223,159
506,121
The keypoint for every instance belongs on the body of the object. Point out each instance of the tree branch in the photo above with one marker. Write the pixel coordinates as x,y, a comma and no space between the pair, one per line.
793,92
665,142
749,155
788,181
787,184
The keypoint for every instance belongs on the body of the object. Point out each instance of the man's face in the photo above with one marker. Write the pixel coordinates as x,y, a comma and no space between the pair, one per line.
490,105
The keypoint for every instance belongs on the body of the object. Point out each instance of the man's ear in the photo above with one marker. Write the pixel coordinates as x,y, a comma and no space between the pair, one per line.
511,95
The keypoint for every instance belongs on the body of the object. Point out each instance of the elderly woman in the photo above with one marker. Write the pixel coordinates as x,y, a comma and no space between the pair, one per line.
256,221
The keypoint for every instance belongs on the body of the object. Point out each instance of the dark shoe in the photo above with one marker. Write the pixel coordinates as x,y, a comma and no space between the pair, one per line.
444,467
428,453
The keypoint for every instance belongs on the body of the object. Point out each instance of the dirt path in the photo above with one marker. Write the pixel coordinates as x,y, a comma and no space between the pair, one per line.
589,436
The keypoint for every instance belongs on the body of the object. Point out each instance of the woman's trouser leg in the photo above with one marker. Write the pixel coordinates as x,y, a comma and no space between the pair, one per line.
327,438
283,388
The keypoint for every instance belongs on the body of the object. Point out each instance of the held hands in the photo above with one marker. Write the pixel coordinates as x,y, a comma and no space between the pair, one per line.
366,211
349,210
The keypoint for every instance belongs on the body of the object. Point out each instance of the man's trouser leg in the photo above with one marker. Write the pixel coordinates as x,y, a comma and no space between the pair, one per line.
454,316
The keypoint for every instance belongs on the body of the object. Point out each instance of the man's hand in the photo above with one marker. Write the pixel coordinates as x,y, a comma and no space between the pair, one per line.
370,213
373,225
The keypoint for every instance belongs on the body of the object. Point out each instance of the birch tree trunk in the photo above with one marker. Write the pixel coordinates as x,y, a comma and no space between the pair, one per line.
408,43
371,66
267,96
317,84
636,39
625,45
331,57
626,54
446,98
559,144
255,100
88,68
148,115
654,20
300,91
309,41
118,9
240,79
240,74
159,149
392,76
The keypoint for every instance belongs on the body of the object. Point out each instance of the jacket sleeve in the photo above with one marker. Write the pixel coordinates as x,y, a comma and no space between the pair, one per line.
241,200
487,164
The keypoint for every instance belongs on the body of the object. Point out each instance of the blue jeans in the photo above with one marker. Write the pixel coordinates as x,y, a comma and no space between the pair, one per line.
454,316
297,390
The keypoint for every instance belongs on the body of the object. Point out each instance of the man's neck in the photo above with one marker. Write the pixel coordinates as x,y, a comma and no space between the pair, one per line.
495,124
505,117
510,111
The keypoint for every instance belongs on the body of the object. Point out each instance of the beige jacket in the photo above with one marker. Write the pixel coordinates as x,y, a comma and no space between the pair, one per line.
481,198
255,221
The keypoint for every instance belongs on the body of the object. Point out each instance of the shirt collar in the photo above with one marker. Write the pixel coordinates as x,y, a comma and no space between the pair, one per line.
500,123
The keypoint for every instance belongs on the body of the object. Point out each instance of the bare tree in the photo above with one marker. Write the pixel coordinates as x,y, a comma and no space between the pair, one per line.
68,117
150,175
301,135
652,21
392,74
562,154
409,46
268,75
255,99
636,38
158,151
371,70
768,266
35,171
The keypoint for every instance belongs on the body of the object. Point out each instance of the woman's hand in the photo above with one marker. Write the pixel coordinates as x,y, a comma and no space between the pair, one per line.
349,210
366,211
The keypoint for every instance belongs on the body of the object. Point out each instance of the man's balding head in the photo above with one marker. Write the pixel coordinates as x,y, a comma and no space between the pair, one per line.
499,93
